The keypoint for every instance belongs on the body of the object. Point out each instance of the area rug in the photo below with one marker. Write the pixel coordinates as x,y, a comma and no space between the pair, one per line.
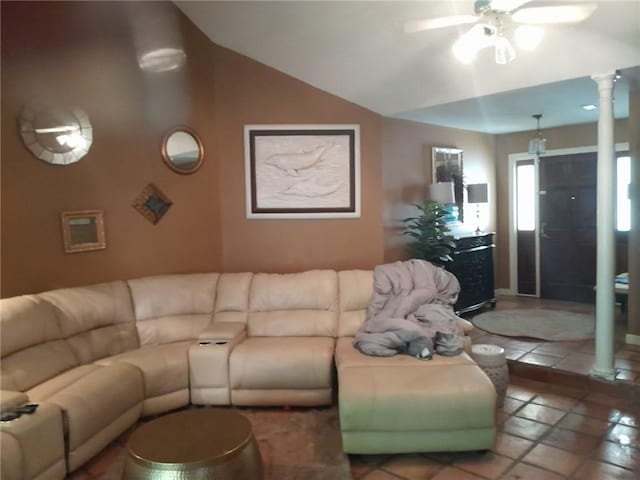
544,324
300,444
295,444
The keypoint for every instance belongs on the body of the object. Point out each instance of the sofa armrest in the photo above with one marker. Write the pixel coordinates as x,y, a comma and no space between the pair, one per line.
221,331
10,399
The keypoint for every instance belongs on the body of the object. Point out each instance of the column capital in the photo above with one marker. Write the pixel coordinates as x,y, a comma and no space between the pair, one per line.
604,79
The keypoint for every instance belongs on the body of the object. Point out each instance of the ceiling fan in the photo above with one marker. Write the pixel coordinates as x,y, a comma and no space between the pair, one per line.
495,21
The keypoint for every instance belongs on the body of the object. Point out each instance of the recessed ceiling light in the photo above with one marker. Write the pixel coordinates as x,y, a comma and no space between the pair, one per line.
590,106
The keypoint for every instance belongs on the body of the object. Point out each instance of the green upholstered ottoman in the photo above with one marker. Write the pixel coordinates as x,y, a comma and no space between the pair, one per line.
401,404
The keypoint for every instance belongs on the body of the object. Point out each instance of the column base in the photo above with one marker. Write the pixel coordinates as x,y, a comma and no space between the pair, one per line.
608,374
632,339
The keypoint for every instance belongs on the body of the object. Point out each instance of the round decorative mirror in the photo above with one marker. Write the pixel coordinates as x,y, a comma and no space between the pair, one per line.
56,135
182,150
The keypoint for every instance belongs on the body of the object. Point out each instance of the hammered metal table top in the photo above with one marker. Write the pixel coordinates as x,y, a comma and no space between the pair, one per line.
191,437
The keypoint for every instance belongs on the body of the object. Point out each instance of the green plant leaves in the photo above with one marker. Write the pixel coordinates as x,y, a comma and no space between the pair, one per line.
430,232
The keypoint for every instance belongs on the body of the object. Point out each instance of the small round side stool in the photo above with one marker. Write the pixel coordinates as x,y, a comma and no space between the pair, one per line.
492,361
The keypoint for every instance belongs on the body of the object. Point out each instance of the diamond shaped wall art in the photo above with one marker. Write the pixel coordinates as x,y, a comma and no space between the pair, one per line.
152,203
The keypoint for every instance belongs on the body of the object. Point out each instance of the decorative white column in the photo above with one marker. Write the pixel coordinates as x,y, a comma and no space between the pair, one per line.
605,266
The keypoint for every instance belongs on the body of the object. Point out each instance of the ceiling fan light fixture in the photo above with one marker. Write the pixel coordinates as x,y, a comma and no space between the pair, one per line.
505,52
528,37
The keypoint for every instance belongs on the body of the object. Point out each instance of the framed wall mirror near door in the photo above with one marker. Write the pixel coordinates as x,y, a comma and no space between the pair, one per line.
446,166
182,150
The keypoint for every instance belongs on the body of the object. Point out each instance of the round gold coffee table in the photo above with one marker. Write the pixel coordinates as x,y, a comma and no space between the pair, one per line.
194,444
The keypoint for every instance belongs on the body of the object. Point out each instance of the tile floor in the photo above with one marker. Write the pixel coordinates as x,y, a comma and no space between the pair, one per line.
568,357
566,427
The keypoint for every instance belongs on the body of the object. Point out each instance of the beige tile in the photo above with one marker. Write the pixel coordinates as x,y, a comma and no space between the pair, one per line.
630,419
540,413
557,349
513,354
575,442
379,475
626,375
520,392
486,464
522,471
596,410
606,400
593,470
511,446
452,473
522,345
362,464
511,405
525,428
580,423
623,456
539,359
443,458
411,467
627,364
554,459
555,400
624,435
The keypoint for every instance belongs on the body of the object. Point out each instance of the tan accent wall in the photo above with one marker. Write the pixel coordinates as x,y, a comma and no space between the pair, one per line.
251,93
406,160
81,53
573,136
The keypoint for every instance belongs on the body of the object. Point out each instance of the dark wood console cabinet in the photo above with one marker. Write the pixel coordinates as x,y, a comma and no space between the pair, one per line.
473,266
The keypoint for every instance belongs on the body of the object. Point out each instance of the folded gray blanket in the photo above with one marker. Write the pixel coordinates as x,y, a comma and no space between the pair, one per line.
412,304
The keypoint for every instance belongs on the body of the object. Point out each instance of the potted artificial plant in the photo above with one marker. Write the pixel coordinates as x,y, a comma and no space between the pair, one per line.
429,231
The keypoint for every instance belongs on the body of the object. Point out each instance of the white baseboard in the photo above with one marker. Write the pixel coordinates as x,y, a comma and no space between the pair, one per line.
504,291
632,339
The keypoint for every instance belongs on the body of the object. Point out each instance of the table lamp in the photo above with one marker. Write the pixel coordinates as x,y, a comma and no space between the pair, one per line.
478,193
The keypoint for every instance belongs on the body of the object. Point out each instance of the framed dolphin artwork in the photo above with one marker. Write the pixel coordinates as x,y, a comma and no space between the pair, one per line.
302,171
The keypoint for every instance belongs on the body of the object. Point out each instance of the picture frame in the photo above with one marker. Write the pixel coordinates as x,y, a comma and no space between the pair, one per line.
302,171
83,231
152,203
447,166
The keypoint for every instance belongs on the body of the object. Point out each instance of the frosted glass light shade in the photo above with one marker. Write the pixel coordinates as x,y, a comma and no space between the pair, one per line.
478,193
442,192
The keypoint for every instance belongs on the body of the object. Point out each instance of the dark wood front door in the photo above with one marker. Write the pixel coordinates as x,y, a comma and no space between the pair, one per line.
568,227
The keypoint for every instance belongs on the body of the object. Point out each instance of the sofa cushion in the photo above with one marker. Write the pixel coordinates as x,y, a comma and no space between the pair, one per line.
97,320
173,308
292,305
165,369
32,344
355,292
232,298
94,399
282,363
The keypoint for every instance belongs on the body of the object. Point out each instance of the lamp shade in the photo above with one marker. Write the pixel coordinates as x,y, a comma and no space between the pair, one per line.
442,192
478,193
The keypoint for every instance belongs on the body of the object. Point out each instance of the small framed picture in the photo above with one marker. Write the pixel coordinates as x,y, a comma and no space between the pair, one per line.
83,231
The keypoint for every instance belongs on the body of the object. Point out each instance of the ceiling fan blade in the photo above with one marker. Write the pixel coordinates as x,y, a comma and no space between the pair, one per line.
413,26
507,5
555,14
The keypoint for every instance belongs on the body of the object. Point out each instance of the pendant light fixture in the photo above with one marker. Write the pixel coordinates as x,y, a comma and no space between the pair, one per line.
538,144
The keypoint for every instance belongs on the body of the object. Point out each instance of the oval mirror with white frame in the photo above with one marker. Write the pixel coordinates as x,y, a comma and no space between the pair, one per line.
182,150
55,134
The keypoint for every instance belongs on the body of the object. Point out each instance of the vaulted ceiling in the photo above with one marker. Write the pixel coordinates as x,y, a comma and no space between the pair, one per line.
359,51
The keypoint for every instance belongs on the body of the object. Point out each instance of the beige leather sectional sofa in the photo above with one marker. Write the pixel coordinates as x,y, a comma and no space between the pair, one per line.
98,358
